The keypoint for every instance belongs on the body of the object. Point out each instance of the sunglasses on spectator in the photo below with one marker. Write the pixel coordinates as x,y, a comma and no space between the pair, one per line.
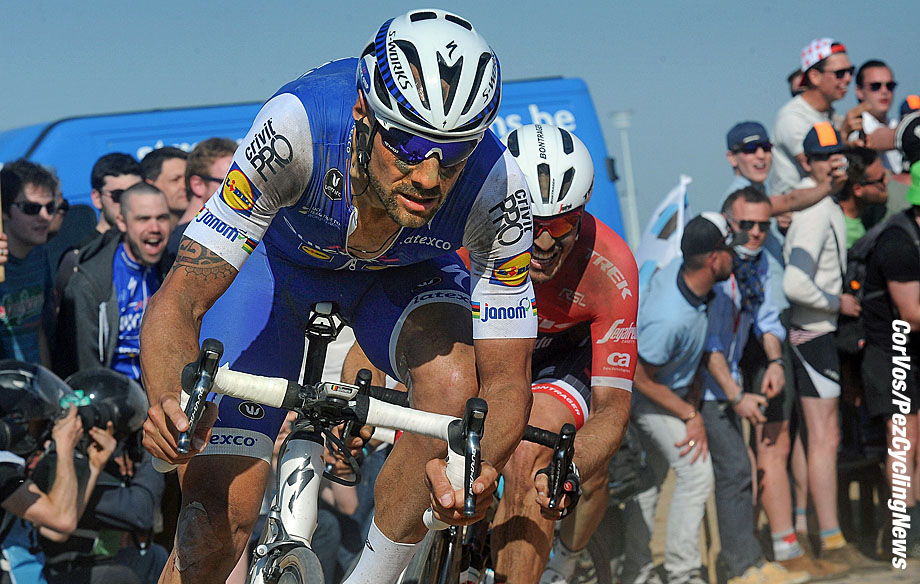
877,85
879,181
115,194
207,178
841,73
63,207
558,227
413,149
30,208
753,147
747,225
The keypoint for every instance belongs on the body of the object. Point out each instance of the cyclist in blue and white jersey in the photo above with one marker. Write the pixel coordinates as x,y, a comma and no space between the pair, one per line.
359,197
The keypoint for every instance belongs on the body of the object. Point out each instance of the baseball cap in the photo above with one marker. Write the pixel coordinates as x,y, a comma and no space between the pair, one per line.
746,133
912,195
911,103
907,139
823,138
818,50
708,232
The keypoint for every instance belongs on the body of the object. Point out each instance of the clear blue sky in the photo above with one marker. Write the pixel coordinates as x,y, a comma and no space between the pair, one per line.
687,70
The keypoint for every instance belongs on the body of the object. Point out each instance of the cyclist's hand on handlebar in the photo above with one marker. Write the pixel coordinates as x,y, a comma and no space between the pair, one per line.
447,503
165,420
569,498
355,446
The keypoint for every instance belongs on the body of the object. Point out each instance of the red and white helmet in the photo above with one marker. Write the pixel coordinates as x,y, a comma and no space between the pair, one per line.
557,166
429,72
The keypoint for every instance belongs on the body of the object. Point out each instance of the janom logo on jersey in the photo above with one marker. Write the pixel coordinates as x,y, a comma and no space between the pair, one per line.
511,271
485,313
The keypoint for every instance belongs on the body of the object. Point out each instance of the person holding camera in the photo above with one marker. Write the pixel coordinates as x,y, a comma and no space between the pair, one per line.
112,542
30,400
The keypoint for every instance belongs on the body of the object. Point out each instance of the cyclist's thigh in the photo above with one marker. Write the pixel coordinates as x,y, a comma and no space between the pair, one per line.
260,320
563,375
440,286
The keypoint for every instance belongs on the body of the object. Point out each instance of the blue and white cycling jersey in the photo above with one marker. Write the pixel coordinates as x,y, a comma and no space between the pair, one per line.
283,216
288,186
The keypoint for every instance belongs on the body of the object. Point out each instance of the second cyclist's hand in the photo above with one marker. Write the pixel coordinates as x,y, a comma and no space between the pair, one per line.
165,420
541,486
447,502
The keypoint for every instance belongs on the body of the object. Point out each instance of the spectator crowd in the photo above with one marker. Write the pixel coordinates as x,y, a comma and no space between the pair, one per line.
765,353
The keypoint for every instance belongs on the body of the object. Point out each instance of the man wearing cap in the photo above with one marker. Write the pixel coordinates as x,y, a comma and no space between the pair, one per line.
815,252
891,304
827,73
671,335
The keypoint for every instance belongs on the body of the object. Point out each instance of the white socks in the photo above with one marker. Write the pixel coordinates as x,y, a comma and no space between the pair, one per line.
382,560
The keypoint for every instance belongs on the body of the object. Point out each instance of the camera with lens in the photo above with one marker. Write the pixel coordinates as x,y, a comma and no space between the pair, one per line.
103,396
30,401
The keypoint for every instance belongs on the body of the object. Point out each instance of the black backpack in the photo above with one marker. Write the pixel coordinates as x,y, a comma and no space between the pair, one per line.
851,332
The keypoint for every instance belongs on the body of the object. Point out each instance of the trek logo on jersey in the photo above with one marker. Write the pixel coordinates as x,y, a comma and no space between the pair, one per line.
269,149
483,312
619,360
613,272
314,252
511,271
333,184
513,217
618,333
238,192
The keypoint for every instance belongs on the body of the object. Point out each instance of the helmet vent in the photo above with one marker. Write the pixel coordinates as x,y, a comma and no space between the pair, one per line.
513,145
567,179
484,60
417,16
459,21
567,145
415,66
544,178
451,77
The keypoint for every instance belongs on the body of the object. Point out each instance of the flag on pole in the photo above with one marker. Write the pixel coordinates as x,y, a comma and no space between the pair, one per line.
660,241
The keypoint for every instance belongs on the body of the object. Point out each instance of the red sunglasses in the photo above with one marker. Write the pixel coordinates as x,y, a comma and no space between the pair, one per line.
559,226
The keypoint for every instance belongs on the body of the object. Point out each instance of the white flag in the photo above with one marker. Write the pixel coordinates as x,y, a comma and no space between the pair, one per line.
660,241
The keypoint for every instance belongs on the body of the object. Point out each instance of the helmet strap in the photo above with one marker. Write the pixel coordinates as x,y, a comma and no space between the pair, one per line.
364,145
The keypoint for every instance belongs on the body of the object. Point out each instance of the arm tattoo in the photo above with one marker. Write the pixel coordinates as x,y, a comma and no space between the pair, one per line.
197,260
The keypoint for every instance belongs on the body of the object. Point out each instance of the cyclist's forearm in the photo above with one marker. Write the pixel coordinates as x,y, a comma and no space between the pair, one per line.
169,340
600,437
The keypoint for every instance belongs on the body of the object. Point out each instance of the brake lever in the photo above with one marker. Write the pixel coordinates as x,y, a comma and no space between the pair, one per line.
563,453
197,379
473,429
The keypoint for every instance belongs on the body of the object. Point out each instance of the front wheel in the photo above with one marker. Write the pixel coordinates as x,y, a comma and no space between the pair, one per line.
300,566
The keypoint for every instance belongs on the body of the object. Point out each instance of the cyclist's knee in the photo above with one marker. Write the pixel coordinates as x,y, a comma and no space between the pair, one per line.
526,460
595,482
205,542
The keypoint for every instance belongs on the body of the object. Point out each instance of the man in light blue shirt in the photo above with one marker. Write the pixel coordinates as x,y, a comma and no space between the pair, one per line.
671,336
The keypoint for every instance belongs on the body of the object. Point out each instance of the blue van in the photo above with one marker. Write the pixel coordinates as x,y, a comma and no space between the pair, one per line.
72,145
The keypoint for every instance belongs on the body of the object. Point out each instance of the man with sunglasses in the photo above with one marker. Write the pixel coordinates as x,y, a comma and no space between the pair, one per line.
827,73
111,175
586,285
875,87
358,195
26,299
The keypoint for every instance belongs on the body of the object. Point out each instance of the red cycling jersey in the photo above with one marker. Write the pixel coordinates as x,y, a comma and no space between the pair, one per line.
598,284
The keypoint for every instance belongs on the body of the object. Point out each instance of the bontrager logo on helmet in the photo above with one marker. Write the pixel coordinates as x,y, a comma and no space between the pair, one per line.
430,72
557,166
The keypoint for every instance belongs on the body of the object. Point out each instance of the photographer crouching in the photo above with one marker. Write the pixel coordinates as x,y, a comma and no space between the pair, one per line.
31,398
112,542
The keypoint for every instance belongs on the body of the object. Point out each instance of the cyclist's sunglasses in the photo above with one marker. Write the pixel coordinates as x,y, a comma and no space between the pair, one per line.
753,147
30,208
747,225
558,227
413,149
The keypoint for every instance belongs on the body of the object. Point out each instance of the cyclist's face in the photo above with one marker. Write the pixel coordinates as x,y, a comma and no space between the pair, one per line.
549,254
410,194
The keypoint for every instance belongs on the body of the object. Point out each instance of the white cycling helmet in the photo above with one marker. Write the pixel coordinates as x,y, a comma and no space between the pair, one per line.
557,167
431,47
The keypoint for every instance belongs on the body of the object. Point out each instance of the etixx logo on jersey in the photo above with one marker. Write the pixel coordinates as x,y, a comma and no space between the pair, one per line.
511,271
333,184
238,191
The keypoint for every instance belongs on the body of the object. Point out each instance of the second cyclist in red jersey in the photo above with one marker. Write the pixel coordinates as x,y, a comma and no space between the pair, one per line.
586,284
